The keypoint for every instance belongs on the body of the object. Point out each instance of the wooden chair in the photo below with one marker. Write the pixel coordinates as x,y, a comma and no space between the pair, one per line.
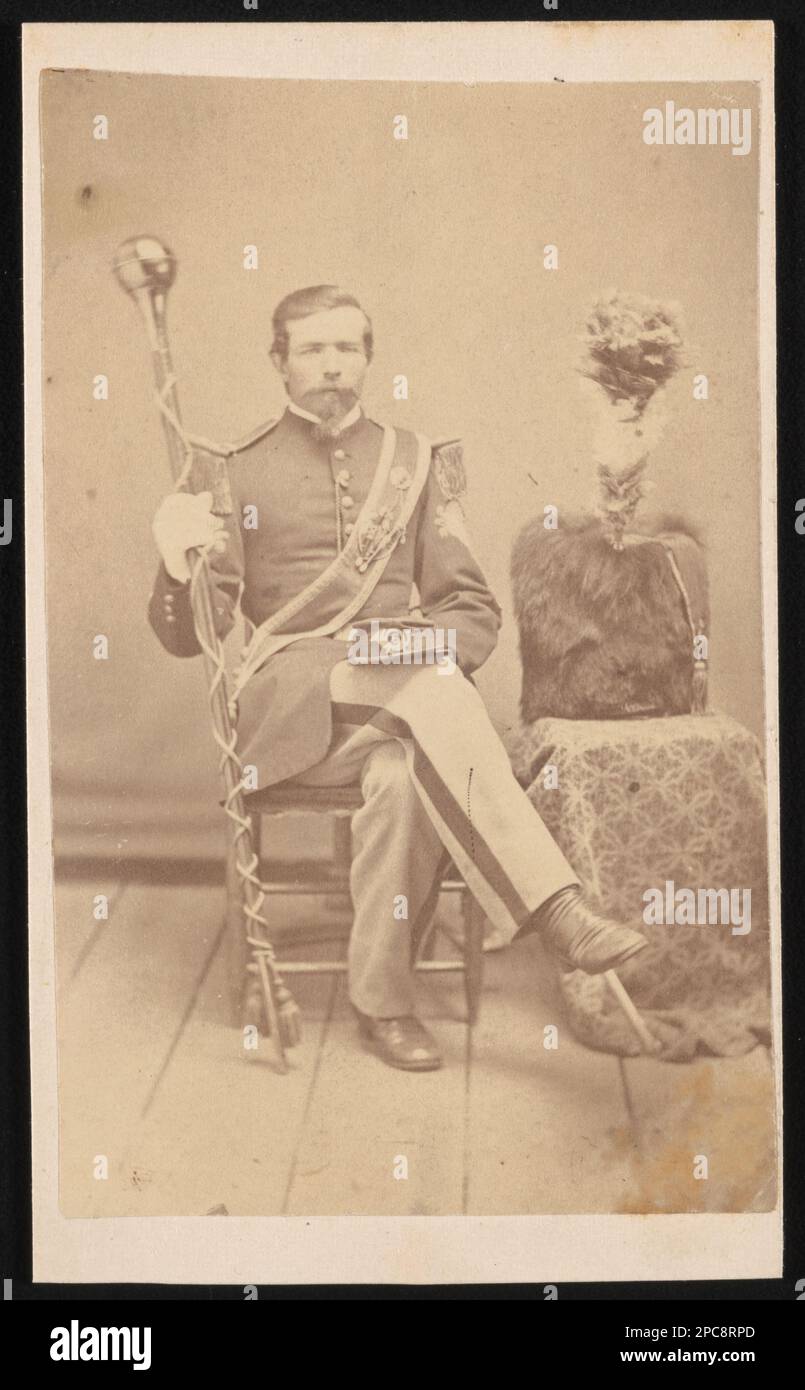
337,802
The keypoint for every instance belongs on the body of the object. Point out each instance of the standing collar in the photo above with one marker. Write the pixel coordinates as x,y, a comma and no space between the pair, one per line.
349,419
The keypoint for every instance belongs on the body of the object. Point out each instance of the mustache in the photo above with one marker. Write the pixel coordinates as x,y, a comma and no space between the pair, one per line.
331,398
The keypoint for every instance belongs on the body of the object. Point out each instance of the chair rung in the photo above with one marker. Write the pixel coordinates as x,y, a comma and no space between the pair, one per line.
339,967
321,890
305,890
310,967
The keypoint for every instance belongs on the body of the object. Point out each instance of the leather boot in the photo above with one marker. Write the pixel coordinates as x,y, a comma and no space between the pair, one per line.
580,939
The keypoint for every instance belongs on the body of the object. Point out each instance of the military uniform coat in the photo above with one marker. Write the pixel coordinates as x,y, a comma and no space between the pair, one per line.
293,496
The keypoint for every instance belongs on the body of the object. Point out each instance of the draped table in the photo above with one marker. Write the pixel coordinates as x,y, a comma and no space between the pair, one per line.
638,804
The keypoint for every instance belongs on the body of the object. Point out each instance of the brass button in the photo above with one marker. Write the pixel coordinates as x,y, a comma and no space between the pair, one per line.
347,502
343,477
170,618
349,528
339,454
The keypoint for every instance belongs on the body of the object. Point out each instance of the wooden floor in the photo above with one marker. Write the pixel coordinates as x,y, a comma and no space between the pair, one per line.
155,1079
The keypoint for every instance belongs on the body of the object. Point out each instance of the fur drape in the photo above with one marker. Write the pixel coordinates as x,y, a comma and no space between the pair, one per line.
604,633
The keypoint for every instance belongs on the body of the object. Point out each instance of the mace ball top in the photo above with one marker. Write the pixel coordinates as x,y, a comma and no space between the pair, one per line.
144,262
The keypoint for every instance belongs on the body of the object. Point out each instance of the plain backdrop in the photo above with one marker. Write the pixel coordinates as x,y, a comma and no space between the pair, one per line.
441,236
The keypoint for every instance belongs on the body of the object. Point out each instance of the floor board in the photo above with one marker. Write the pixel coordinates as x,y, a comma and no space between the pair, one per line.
118,1019
224,1125
154,1076
78,930
548,1129
380,1140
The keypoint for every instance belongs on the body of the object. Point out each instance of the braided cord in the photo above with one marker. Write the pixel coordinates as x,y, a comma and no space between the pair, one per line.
224,727
699,663
229,763
189,442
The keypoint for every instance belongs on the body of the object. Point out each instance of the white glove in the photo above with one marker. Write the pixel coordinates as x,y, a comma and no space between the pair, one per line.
183,521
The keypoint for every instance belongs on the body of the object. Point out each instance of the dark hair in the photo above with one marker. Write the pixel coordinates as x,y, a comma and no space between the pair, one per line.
314,300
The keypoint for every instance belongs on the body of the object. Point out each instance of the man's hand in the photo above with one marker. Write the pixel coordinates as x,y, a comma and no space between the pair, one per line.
183,521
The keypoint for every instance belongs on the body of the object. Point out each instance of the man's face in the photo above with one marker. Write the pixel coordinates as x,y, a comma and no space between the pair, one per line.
326,362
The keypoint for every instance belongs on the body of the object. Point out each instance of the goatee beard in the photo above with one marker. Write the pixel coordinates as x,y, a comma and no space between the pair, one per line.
325,430
331,411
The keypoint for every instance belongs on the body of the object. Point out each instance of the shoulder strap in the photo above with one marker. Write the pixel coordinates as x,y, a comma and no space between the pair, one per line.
205,468
253,437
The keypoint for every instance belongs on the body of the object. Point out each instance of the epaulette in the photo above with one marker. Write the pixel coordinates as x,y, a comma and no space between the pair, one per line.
448,463
253,437
447,457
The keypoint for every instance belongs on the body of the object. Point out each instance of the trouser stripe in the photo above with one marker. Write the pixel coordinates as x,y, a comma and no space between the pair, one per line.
454,816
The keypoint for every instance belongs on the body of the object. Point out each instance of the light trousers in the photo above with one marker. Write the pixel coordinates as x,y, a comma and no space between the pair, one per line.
437,785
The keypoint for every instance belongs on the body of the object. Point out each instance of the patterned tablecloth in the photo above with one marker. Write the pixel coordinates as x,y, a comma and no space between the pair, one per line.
642,804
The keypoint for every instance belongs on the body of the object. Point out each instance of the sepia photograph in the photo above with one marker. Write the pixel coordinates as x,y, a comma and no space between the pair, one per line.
403,720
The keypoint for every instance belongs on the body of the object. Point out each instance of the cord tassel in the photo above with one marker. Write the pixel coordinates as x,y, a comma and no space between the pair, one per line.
699,687
699,684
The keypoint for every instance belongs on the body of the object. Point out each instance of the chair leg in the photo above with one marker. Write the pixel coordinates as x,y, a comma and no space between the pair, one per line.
338,908
342,843
473,953
424,929
427,949
245,991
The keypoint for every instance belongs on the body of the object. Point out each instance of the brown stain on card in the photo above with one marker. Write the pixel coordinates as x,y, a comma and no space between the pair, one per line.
725,1116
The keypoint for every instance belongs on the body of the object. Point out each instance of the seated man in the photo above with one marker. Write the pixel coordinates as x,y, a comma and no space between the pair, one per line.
335,518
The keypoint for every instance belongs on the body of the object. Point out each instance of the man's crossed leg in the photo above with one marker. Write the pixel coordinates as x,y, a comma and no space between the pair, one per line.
437,783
